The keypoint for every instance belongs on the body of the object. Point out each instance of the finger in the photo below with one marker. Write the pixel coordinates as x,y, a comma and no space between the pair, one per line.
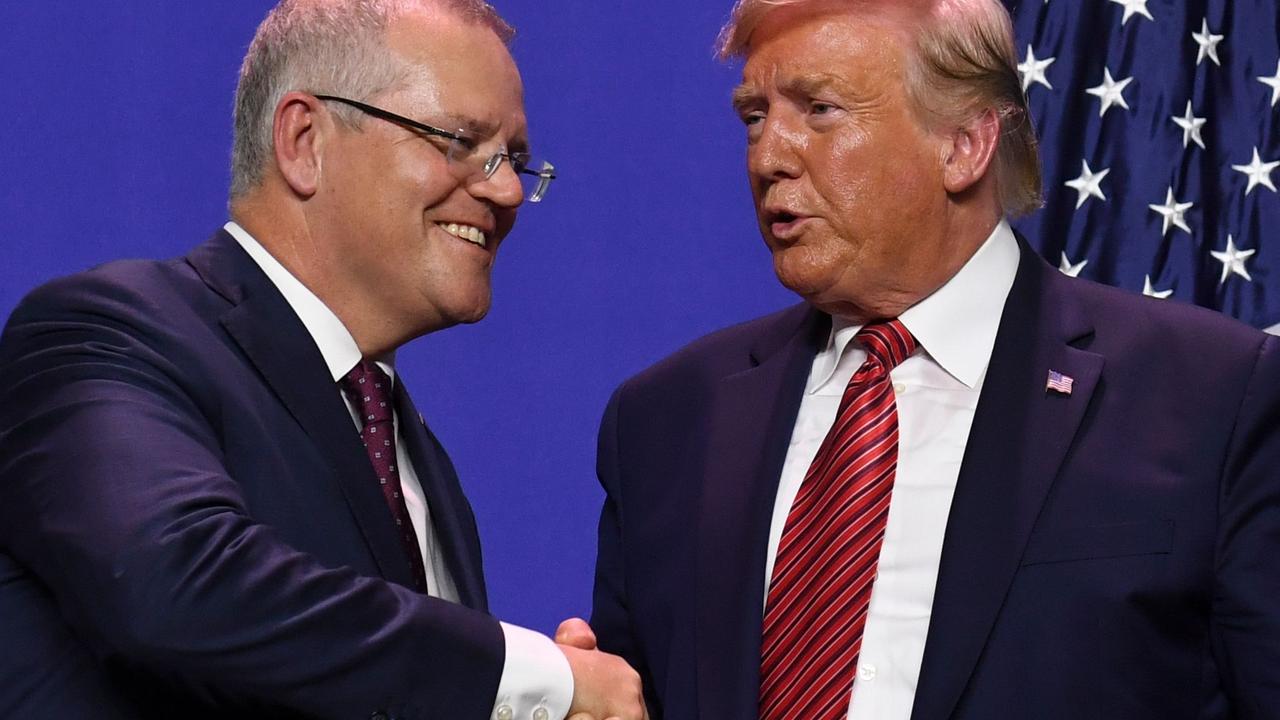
580,716
576,633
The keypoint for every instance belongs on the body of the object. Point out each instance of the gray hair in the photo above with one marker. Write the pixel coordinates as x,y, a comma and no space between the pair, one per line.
963,65
330,46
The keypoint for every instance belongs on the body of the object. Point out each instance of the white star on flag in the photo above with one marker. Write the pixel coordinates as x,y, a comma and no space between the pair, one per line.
1208,43
1071,270
1133,7
1110,91
1088,184
1158,71
1232,260
1032,70
1190,125
1150,290
1274,82
1259,172
1173,213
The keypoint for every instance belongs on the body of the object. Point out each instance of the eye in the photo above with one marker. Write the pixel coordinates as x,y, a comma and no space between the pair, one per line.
821,108
466,142
519,161
753,117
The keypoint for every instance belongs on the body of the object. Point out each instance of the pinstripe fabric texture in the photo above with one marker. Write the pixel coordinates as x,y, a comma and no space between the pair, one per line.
826,563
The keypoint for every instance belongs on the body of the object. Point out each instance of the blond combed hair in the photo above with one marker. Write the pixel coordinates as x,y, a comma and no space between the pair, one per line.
964,64
331,46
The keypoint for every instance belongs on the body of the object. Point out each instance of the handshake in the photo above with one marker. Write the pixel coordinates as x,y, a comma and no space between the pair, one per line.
604,686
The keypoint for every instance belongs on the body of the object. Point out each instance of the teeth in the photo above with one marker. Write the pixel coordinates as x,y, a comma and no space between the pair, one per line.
470,233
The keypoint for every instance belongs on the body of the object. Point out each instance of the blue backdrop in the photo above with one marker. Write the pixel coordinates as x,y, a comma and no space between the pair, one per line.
117,136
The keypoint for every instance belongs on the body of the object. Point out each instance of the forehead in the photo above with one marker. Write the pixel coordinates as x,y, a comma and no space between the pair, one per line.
457,69
844,47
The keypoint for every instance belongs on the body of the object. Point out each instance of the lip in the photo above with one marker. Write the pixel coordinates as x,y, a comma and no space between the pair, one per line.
786,226
491,242
485,227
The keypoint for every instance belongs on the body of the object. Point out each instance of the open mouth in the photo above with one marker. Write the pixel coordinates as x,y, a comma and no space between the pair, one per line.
470,233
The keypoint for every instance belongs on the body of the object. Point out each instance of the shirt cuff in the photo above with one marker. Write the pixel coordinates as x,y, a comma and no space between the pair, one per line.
536,683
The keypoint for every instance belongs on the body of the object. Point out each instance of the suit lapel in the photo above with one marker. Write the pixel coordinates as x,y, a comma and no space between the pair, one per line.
750,422
277,343
1020,435
450,514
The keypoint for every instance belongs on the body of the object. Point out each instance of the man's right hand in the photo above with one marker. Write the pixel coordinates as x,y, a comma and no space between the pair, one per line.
604,686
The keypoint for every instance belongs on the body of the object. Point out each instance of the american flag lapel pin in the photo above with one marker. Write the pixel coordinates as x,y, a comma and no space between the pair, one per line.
1058,382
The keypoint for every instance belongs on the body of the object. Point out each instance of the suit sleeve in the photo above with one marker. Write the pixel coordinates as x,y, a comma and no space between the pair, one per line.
1246,602
114,492
610,617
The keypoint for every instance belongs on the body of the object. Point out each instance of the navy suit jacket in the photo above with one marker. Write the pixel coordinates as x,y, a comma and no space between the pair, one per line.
1112,553
190,523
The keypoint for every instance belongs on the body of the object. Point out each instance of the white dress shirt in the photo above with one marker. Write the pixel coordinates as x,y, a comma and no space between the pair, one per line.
536,681
937,392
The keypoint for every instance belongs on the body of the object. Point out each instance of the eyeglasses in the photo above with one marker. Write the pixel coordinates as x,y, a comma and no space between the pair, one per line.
462,151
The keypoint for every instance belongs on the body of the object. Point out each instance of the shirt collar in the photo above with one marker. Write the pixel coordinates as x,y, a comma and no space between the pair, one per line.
957,324
336,345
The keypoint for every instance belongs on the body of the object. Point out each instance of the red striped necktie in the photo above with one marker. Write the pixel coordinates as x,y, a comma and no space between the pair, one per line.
826,562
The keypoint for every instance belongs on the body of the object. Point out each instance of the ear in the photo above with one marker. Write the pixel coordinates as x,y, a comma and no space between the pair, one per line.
971,150
298,133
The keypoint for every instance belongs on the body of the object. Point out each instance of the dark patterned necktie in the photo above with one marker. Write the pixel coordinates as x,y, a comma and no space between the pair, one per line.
369,390
826,562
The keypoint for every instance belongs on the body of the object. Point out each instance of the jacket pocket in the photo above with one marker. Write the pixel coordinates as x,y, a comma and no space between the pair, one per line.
1150,537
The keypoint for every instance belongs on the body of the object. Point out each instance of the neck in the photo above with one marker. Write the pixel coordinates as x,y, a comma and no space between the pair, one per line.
286,233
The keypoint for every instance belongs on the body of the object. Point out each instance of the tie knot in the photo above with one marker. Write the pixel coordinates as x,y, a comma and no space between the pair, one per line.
888,342
369,389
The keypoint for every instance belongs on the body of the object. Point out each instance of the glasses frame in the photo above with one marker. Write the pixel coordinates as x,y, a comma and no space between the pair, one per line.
519,161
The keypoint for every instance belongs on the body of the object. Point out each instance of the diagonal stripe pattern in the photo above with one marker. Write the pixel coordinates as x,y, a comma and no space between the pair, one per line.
827,557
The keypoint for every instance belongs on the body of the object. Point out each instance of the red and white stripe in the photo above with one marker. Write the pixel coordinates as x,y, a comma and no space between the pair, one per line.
830,546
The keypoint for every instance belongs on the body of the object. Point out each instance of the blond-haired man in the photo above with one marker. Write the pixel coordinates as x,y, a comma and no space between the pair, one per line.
953,483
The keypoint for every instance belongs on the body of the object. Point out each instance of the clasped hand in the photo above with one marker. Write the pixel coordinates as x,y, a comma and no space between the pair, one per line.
604,686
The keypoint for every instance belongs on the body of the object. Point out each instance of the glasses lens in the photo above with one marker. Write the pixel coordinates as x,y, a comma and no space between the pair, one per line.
536,179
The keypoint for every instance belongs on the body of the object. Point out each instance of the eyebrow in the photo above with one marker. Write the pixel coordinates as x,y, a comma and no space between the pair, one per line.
746,95
814,83
481,129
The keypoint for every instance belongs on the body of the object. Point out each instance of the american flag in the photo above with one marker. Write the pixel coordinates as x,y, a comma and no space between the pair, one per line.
1158,127
1059,382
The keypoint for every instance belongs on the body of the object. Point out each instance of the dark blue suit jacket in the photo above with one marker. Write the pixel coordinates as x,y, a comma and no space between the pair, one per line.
191,525
1114,553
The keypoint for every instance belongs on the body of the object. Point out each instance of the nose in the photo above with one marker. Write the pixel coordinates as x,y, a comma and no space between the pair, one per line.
502,188
774,154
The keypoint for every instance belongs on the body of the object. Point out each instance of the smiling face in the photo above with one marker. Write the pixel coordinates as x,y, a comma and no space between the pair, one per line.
402,224
848,183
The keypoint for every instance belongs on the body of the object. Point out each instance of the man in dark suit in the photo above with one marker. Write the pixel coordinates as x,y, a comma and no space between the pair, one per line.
216,497
954,483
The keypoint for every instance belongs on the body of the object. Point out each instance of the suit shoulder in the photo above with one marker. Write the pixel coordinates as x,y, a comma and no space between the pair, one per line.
132,288
724,351
1170,318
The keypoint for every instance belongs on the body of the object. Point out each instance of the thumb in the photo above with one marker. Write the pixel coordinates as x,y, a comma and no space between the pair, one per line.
575,632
